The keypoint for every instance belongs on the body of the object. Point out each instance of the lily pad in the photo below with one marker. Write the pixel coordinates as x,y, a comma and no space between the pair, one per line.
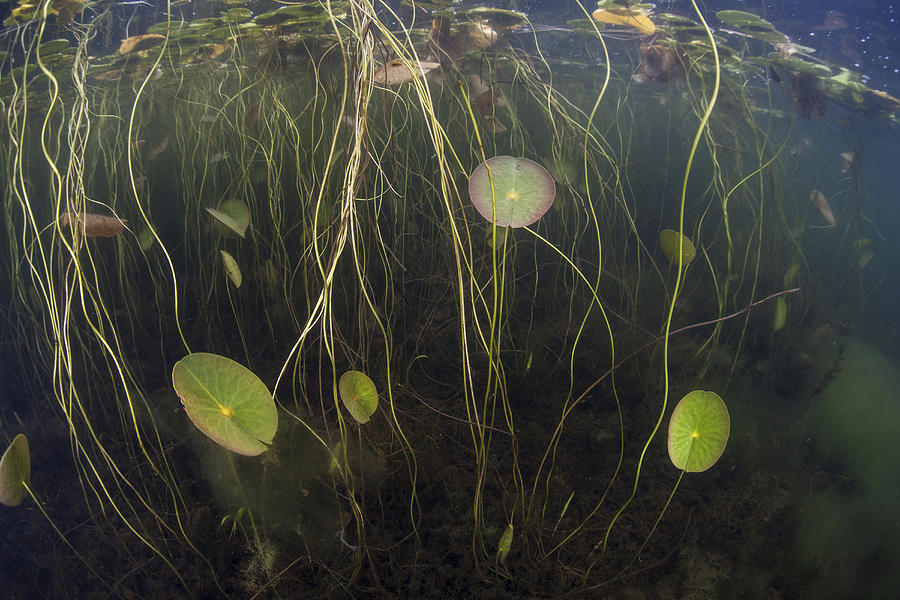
668,241
628,17
359,395
751,25
15,472
226,401
523,190
233,214
780,314
698,431
232,269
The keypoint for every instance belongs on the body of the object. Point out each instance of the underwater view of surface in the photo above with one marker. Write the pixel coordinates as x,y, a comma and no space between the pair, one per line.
449,299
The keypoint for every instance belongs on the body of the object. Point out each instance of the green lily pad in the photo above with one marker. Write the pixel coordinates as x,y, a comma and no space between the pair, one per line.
780,314
752,25
668,241
232,269
233,214
524,190
359,395
53,46
226,401
15,472
698,431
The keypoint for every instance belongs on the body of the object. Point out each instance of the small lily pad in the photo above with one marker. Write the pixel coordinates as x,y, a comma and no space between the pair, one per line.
232,269
359,395
698,431
668,241
226,401
233,214
15,472
523,189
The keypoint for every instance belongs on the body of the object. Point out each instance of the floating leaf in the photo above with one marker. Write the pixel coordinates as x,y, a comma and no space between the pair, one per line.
621,15
232,269
15,472
92,225
780,314
226,401
137,43
523,190
396,72
751,25
359,395
233,214
668,241
698,431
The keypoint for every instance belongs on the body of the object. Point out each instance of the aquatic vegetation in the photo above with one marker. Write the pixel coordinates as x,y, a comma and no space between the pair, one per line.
226,401
15,472
818,200
698,431
509,429
359,395
233,214
677,247
231,269
511,192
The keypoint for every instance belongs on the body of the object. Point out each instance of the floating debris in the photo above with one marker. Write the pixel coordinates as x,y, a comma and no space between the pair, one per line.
91,224
818,200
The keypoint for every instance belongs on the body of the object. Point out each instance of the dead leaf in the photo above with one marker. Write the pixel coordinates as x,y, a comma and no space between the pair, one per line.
91,224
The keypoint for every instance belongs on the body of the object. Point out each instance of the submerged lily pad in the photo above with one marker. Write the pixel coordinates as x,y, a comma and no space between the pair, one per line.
668,241
233,214
359,395
226,401
15,472
231,269
523,190
698,431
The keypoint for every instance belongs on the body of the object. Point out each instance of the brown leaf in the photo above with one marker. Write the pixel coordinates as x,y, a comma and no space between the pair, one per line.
93,225
140,42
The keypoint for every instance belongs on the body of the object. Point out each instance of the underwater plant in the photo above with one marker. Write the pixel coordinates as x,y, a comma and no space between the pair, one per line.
318,155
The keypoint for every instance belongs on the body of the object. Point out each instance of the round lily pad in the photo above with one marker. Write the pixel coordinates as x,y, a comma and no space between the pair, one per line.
15,472
226,401
698,431
668,241
359,395
233,214
523,189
